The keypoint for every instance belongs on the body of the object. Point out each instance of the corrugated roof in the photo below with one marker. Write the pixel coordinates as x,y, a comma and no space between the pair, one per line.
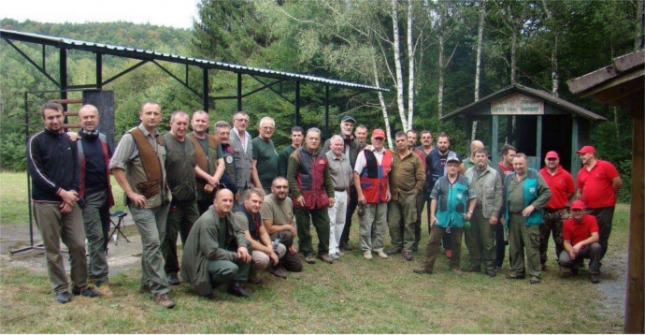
135,53
564,104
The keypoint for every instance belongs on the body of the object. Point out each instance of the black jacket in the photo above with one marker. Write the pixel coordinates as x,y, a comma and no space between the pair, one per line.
53,165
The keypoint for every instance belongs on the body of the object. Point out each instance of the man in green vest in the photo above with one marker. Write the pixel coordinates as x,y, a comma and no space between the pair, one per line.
138,165
183,212
216,251
525,194
209,158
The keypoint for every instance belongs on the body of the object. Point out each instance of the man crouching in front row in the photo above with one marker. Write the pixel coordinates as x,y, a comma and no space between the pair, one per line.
216,250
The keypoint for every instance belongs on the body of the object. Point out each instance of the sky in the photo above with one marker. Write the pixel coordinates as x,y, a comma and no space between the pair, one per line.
173,13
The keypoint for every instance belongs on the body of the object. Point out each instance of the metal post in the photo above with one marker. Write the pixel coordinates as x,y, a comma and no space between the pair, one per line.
239,91
575,136
99,71
327,134
63,78
494,138
205,89
297,102
538,140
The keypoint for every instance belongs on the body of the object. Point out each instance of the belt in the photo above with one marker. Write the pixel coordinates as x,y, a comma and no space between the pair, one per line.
340,189
554,210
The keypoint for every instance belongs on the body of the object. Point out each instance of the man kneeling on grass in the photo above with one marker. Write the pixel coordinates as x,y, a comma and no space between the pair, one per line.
580,234
216,250
247,215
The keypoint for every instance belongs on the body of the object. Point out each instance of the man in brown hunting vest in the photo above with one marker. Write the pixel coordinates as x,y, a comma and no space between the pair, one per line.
138,166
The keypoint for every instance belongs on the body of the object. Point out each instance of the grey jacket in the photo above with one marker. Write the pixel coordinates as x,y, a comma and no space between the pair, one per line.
488,187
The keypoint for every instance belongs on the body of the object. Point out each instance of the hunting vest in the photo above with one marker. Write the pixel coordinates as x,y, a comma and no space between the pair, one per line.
146,173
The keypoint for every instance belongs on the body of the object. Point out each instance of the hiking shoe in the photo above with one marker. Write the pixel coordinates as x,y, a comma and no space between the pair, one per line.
367,255
86,292
346,246
395,250
163,300
63,297
535,280
491,273
422,270
473,268
236,289
381,254
105,291
407,255
326,259
515,276
279,272
255,280
173,280
594,278
310,259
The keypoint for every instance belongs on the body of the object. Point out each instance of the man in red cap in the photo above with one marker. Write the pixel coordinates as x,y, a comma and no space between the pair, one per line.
555,212
598,184
580,234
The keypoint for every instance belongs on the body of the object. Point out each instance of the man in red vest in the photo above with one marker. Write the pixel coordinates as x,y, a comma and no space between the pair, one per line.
373,189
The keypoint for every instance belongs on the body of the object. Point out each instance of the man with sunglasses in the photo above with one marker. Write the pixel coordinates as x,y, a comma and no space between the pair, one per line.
555,212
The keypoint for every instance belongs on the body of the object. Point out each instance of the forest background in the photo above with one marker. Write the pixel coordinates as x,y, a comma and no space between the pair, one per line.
434,56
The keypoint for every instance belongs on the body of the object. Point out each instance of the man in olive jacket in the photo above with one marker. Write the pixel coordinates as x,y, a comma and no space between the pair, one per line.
216,251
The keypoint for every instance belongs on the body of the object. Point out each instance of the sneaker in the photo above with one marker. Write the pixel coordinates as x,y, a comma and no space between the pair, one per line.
381,254
594,278
310,259
448,253
326,259
407,255
86,292
340,253
535,280
172,279
472,268
367,255
279,272
395,250
63,297
422,270
105,291
163,300
334,256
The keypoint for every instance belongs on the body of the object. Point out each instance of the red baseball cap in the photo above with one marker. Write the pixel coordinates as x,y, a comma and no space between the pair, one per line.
378,133
577,204
587,149
552,154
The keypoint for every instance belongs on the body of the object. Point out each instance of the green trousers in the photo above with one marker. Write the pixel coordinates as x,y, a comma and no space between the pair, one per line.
524,239
179,222
404,209
320,220
480,241
95,213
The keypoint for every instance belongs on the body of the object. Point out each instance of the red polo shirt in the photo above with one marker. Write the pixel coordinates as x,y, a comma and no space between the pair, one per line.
561,185
595,185
504,169
421,155
575,231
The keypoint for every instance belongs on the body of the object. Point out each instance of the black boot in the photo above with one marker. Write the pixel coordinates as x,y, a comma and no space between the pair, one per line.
236,289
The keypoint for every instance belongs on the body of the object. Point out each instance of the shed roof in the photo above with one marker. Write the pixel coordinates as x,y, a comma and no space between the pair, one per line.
141,54
546,96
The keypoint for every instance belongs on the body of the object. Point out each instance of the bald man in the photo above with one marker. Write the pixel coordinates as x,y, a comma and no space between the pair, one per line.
470,161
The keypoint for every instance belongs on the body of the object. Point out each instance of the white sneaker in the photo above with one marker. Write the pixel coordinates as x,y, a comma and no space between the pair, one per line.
340,253
381,254
334,256
367,255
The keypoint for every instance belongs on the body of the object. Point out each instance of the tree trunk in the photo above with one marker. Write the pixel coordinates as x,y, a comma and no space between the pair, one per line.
480,40
381,100
397,63
411,72
555,78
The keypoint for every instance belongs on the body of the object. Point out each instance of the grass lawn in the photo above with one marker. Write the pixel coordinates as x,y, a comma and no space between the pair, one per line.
351,296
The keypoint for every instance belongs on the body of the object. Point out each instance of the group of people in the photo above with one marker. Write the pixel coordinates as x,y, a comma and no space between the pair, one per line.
239,206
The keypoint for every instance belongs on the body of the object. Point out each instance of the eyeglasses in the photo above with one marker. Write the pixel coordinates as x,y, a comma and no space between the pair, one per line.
267,128
280,187
242,120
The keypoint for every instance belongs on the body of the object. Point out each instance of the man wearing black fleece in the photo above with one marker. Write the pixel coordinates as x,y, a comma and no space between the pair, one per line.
94,155
54,171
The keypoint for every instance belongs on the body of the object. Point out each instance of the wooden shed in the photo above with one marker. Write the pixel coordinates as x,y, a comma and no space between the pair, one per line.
622,84
543,122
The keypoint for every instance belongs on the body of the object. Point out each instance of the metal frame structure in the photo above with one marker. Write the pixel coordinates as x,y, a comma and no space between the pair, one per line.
266,77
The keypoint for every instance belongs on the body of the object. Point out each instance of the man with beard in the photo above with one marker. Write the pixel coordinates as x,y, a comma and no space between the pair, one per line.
277,215
183,212
555,212
209,158
297,134
598,184
94,156
435,169
312,191
480,238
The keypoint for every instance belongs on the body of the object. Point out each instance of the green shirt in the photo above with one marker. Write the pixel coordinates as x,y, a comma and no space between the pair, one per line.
267,161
